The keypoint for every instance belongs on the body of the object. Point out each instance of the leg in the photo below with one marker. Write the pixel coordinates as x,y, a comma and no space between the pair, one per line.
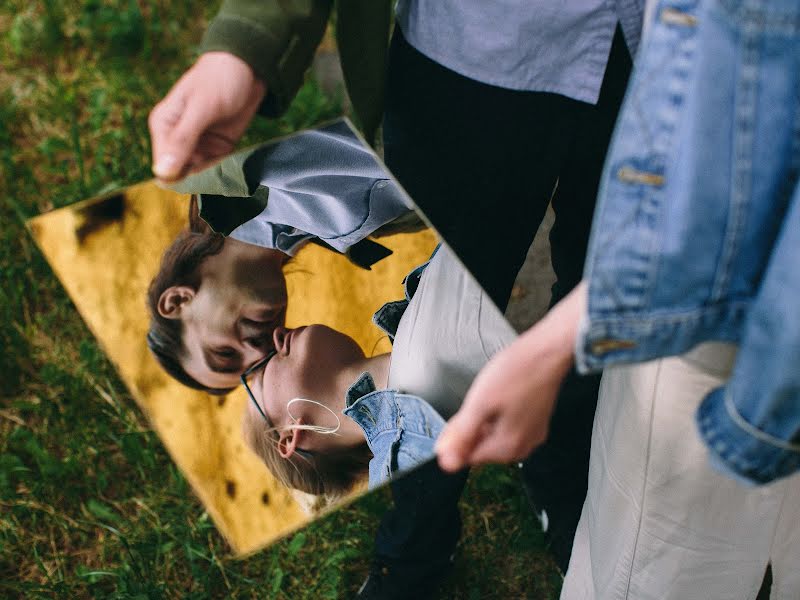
555,475
463,151
481,162
579,180
785,551
658,521
415,539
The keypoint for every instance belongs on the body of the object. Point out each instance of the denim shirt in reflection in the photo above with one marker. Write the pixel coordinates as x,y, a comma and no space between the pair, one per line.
400,429
321,185
696,234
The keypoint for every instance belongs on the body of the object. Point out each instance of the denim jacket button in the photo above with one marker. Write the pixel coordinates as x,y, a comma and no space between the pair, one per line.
631,175
606,346
672,16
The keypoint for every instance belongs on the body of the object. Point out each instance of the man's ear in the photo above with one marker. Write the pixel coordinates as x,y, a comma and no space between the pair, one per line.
173,300
288,441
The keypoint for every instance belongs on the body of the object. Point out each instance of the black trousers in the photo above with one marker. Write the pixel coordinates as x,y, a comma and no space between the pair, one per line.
483,163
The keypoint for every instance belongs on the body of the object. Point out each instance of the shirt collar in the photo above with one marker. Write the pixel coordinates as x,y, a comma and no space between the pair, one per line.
380,411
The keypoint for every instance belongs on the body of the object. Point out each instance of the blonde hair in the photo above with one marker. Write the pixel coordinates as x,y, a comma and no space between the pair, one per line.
332,474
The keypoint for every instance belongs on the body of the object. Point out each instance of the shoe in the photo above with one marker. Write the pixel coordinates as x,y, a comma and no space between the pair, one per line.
386,583
559,521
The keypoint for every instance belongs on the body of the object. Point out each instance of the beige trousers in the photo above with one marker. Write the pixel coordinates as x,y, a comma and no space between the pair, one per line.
658,522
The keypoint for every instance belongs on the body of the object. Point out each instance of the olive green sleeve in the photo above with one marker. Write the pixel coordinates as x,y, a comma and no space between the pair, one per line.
277,38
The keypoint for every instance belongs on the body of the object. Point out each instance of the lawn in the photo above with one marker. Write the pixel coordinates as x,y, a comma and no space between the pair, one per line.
90,503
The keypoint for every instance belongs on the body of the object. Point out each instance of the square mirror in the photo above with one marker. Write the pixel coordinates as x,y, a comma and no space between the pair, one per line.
300,268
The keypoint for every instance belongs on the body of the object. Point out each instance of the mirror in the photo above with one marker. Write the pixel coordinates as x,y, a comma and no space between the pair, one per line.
320,244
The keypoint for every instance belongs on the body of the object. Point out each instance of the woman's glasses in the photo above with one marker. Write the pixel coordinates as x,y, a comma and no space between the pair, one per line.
249,372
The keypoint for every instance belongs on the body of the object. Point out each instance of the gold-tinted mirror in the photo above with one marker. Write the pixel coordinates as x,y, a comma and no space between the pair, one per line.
319,209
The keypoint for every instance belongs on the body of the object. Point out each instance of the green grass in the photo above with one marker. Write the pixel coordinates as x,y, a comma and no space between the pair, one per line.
90,503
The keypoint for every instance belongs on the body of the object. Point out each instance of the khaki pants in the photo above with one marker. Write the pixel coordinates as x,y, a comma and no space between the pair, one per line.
658,521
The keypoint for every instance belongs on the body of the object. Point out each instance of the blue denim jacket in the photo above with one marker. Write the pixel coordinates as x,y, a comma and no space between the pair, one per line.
400,429
697,230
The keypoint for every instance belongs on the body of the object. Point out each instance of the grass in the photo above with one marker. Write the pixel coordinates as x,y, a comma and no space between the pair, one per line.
90,504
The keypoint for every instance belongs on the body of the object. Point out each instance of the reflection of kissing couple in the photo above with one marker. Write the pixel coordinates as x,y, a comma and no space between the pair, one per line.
218,305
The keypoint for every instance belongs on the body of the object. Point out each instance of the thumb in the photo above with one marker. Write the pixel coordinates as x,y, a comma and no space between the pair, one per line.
461,435
175,133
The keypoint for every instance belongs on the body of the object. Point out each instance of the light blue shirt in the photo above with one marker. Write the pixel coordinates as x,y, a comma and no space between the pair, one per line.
560,47
321,184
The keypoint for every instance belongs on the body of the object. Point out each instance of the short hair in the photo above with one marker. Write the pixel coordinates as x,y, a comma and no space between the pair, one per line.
331,474
180,265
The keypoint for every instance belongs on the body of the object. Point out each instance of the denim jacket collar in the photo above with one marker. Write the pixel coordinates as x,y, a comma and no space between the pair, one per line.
400,429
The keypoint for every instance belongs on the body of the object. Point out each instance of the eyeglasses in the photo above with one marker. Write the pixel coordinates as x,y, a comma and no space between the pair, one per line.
249,371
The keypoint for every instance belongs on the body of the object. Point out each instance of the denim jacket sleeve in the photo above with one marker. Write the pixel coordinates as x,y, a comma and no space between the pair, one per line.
752,425
695,237
400,429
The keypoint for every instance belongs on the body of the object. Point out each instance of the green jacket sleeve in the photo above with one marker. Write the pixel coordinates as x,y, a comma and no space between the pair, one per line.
276,38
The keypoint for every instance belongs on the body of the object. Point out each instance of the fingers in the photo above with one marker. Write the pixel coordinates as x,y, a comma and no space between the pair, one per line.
464,432
175,128
475,439
504,444
161,121
204,114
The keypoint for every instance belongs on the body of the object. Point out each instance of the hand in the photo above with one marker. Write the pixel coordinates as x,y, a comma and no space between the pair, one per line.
204,114
507,410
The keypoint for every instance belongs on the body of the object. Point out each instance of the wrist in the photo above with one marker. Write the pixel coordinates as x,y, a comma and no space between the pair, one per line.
553,338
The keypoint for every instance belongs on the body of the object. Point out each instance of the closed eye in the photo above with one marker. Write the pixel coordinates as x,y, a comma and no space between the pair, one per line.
223,360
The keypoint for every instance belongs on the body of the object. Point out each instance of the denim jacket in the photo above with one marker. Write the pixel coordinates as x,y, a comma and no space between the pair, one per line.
400,429
697,231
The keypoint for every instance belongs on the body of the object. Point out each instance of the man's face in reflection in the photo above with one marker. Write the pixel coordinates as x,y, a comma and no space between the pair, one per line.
229,320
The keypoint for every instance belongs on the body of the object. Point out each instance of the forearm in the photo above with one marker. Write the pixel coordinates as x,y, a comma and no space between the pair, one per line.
508,408
557,331
276,39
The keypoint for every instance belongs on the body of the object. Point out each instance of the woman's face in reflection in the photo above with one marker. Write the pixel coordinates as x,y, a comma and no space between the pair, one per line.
309,362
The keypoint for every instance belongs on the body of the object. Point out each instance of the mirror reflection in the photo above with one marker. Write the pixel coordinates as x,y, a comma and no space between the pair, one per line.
296,279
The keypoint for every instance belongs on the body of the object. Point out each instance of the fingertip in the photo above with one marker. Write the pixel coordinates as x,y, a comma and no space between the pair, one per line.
447,453
449,461
166,167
